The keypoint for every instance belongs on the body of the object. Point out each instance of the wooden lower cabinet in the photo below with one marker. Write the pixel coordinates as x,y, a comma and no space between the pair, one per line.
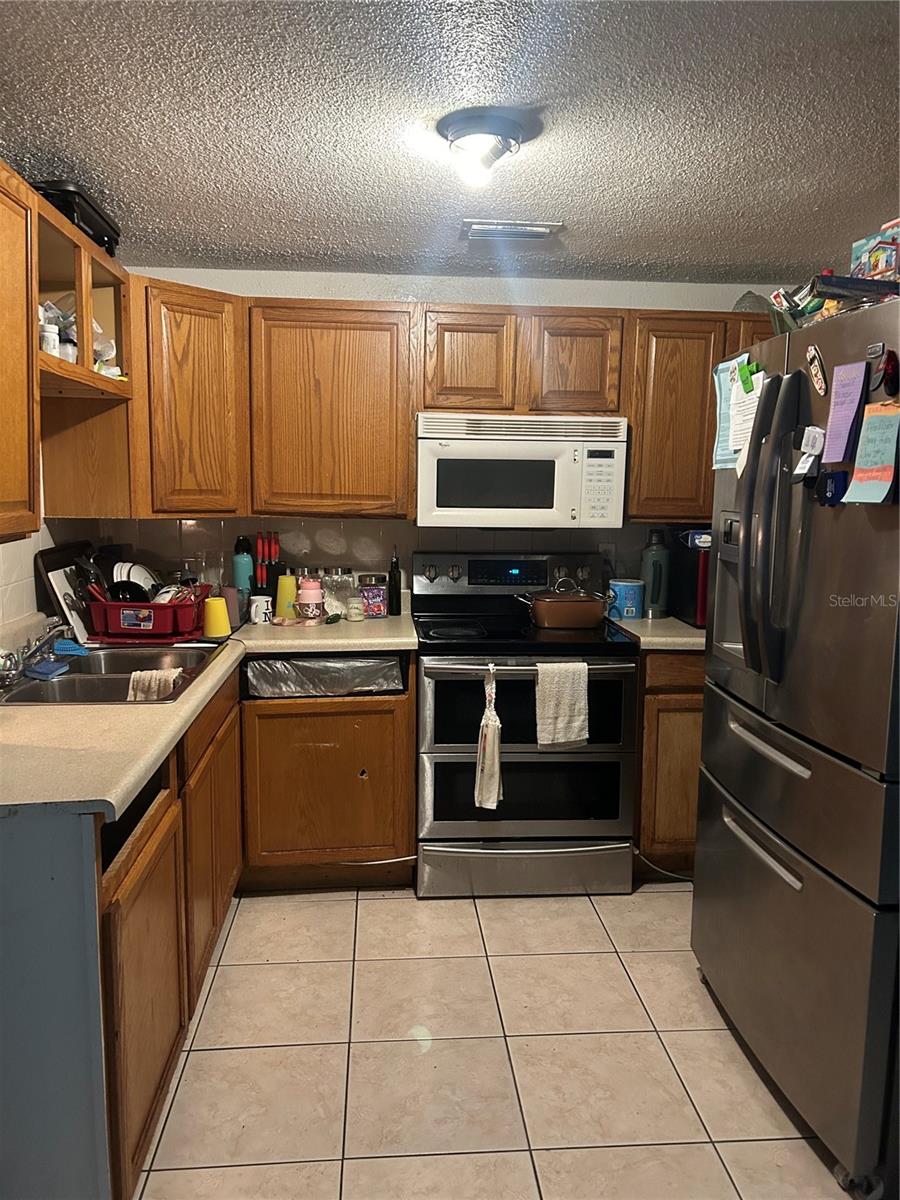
213,845
328,780
145,995
671,764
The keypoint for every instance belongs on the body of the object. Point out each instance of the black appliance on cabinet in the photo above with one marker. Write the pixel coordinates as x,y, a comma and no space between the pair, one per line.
796,876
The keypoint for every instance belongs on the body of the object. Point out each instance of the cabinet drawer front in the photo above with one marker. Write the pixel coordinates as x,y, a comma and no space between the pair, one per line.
671,670
575,363
207,724
805,969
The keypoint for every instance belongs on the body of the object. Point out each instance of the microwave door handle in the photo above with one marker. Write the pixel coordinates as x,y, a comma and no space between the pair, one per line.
784,421
762,423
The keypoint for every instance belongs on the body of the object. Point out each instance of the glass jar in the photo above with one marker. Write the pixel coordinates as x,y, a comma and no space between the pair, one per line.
337,584
356,609
373,590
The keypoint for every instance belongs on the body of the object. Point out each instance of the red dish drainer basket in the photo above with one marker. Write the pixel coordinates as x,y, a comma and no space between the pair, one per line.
117,621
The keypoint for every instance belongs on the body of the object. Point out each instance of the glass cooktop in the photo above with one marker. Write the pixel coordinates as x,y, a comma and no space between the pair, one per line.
505,634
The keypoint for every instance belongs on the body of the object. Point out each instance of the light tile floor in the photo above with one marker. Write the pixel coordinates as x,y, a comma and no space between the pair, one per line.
375,1047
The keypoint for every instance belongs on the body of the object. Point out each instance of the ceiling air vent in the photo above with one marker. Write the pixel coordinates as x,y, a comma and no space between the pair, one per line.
515,231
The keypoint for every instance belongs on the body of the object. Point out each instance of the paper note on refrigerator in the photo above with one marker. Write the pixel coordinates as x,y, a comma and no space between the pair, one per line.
743,410
846,390
873,473
724,377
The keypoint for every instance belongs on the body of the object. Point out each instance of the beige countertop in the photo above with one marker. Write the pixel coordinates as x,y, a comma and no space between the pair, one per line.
665,633
345,637
97,757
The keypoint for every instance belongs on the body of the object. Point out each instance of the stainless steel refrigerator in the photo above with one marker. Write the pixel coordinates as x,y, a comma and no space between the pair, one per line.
796,875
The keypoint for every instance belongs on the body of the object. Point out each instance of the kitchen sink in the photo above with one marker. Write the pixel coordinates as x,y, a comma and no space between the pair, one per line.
102,676
121,660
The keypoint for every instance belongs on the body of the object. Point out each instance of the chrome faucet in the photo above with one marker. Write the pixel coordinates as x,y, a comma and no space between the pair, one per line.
13,663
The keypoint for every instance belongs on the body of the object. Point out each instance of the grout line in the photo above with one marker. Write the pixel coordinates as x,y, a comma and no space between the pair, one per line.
349,1040
286,1162
512,1070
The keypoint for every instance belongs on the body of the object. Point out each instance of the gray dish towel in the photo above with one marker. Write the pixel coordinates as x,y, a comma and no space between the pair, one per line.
562,704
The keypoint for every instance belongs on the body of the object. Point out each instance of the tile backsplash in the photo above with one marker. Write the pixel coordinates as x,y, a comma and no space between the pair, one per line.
305,542
357,543
17,574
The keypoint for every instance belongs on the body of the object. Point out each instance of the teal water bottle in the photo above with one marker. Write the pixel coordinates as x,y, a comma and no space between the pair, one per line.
242,565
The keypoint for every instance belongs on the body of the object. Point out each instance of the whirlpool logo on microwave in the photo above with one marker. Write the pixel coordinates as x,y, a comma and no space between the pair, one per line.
853,600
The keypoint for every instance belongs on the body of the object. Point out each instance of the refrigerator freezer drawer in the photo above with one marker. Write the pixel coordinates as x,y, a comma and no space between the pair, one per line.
805,969
554,868
835,814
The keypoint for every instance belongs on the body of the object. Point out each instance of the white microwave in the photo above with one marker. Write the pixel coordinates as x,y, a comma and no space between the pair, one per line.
521,472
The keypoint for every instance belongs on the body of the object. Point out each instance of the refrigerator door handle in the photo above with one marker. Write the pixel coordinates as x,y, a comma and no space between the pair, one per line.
762,423
763,855
784,421
767,751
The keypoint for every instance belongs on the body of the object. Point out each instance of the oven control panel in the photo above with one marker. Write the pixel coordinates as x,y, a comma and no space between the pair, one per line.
460,574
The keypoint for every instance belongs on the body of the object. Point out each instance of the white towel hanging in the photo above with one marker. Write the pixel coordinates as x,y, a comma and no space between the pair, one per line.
488,783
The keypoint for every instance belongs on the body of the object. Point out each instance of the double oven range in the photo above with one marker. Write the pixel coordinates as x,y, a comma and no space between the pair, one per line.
565,823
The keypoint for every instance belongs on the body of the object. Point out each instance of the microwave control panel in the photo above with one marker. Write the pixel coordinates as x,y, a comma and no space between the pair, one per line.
602,485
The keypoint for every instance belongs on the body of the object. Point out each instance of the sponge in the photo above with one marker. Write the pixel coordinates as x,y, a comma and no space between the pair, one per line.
48,669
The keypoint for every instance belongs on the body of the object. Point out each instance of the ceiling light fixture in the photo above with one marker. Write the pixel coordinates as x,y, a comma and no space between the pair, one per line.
479,138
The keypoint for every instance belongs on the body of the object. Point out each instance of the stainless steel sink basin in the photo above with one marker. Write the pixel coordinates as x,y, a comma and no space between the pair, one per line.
102,676
116,660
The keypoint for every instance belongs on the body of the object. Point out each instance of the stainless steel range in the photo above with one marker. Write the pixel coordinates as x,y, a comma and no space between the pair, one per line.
565,822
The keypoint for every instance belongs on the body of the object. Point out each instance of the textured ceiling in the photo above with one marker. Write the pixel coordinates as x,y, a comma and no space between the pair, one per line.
688,141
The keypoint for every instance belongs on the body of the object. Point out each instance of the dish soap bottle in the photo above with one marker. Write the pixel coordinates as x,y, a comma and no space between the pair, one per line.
394,586
655,574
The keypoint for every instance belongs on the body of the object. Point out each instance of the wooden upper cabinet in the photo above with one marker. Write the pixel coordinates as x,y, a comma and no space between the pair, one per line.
671,410
470,359
746,329
331,408
19,498
196,349
572,362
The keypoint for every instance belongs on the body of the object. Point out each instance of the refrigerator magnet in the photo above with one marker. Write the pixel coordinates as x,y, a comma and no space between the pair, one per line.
817,370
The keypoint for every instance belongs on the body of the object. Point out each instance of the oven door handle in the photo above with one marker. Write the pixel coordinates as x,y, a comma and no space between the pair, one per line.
462,670
472,850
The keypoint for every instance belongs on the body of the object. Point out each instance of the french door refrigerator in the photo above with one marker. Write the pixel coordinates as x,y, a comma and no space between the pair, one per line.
796,873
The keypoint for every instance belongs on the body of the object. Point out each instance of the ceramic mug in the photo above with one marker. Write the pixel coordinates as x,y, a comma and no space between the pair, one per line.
260,610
